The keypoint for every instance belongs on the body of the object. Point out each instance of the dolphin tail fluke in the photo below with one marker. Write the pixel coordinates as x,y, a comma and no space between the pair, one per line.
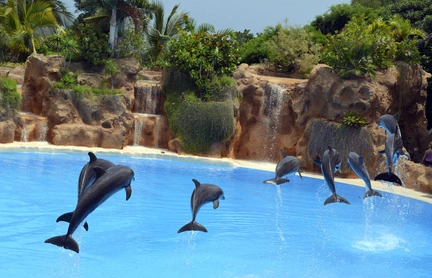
65,241
67,218
390,177
371,193
276,181
192,226
336,199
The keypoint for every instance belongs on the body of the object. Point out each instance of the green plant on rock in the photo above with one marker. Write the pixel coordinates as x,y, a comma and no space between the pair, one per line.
203,57
353,119
292,50
10,98
199,125
94,44
112,70
361,48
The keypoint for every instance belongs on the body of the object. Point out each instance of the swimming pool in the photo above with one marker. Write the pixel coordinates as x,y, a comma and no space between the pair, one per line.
259,230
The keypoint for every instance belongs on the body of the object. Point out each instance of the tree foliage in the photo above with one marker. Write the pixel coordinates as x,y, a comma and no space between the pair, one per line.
292,50
24,25
363,48
256,50
335,19
202,56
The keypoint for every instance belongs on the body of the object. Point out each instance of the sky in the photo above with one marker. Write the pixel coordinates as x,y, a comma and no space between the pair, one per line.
254,15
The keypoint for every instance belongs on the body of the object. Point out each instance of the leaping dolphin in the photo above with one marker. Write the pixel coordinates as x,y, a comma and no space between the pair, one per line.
106,184
389,123
86,178
202,194
330,163
393,148
287,165
357,164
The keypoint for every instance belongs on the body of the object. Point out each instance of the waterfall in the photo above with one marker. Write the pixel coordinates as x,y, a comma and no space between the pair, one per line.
24,133
147,130
148,110
147,99
138,130
270,110
34,127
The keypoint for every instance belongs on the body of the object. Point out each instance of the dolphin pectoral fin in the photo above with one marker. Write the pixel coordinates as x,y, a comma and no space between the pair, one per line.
65,241
128,192
371,193
300,174
65,217
336,199
192,226
270,181
216,203
281,181
390,177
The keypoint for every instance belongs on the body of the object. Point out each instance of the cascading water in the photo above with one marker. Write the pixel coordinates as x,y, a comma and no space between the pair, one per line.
270,110
147,112
34,128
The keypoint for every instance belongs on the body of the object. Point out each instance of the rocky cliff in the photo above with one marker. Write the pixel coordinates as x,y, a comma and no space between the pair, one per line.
301,116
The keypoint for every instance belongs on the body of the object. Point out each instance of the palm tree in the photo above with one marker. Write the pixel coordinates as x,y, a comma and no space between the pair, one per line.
25,23
112,13
161,31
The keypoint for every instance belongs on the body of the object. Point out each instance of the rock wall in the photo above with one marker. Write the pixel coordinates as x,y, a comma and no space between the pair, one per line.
301,116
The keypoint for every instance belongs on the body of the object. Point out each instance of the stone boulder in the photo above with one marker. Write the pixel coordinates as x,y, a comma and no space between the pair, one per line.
302,116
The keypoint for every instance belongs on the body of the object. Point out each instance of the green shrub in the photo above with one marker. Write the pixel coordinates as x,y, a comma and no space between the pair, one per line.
363,48
198,125
257,50
93,43
203,57
292,50
9,94
354,119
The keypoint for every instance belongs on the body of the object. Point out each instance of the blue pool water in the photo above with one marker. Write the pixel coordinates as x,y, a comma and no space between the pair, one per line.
259,230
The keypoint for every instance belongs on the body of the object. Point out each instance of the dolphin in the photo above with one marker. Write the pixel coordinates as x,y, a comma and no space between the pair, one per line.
330,163
389,123
86,178
106,184
393,148
287,165
357,164
202,194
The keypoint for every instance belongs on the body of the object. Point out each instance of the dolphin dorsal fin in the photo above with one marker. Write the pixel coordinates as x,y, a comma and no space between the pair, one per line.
197,183
283,153
98,171
330,150
361,159
92,157
216,203
396,116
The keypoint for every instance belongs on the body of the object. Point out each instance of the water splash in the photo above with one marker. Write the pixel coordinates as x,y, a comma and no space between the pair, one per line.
380,243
